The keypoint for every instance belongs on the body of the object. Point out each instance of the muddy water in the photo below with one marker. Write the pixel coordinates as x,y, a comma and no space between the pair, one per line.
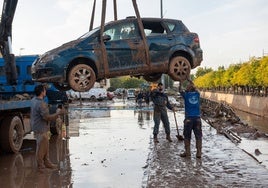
261,123
109,145
111,150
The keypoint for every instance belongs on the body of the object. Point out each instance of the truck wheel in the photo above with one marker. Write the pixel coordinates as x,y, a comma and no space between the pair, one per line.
179,68
81,77
11,134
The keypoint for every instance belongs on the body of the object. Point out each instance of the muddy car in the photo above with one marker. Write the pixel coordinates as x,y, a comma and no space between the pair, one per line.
121,49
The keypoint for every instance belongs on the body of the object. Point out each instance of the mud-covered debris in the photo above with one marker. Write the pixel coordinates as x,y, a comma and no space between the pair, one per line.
223,118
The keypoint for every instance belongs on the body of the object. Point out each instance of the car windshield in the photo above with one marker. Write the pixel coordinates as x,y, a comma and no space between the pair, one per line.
89,33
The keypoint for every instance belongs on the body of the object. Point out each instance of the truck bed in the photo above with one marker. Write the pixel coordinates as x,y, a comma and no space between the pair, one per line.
11,105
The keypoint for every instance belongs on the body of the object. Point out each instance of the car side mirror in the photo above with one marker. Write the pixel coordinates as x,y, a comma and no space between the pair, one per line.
106,38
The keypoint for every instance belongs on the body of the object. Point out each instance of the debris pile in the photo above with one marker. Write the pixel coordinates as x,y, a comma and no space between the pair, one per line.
223,118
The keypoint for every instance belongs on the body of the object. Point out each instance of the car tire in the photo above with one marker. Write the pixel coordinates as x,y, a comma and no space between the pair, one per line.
179,68
61,87
152,77
11,134
92,98
81,77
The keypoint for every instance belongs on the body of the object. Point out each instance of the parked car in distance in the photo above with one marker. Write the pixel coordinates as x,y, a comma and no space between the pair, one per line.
168,48
119,91
93,94
131,93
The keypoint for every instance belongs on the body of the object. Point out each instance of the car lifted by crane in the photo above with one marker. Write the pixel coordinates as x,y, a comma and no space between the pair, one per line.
135,46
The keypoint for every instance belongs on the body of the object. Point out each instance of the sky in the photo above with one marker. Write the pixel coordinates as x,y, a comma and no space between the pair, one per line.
230,31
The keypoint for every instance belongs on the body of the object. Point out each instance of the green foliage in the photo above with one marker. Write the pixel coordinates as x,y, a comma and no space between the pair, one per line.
202,71
253,73
262,72
168,81
126,82
228,75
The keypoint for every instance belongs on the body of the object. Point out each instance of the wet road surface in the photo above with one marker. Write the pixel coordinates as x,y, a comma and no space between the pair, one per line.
111,145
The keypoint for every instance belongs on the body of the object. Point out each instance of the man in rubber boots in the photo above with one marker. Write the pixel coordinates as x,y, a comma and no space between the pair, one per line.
161,103
192,119
40,118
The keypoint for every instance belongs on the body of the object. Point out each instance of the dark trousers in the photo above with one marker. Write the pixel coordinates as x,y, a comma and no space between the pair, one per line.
192,124
161,115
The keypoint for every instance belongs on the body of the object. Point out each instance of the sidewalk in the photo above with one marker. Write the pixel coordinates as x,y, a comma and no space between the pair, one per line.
223,164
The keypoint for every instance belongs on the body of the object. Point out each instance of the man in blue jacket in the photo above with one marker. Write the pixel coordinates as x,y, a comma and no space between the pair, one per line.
192,119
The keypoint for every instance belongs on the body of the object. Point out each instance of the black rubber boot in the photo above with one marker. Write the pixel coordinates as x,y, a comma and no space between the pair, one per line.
187,152
168,138
198,148
155,139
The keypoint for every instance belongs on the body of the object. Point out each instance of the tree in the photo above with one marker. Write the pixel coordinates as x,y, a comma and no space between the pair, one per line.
202,71
262,72
229,74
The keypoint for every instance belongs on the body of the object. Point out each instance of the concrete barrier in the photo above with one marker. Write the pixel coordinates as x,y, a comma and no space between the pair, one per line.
246,103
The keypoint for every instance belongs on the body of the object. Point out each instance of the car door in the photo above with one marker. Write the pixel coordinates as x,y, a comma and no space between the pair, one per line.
125,49
159,41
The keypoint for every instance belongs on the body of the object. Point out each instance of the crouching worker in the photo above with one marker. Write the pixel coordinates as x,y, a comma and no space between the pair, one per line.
40,118
192,119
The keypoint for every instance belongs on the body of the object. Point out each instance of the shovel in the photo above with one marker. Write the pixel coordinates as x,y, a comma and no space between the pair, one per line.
179,137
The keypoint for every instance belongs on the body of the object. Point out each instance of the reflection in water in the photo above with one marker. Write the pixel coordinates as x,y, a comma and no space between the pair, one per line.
143,114
20,170
11,170
77,113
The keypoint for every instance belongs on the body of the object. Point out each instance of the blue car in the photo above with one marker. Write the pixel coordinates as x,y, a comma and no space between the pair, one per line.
167,48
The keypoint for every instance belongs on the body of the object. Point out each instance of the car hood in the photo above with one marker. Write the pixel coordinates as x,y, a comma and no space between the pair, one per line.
64,47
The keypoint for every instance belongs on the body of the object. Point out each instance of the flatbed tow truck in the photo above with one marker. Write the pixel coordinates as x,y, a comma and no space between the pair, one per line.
14,114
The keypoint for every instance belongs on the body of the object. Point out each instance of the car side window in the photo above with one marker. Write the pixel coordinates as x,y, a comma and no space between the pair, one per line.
153,28
122,31
171,26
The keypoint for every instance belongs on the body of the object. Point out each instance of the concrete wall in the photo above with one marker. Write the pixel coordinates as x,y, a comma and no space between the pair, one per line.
250,104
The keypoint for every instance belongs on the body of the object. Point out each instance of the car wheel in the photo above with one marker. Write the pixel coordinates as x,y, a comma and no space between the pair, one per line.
179,68
152,77
81,77
93,98
61,87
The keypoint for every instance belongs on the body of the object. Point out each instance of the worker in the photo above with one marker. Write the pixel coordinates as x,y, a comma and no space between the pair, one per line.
192,119
139,99
161,103
40,118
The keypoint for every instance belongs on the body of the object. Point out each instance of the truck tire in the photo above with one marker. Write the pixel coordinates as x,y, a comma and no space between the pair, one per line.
11,134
